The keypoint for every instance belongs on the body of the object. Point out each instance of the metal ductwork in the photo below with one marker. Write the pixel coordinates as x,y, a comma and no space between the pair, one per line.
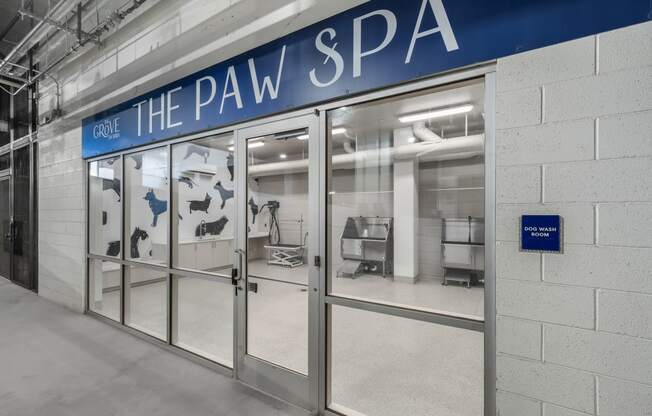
59,17
424,134
450,149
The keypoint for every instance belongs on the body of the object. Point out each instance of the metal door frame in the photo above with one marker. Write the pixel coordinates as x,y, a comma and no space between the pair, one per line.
285,384
274,381
485,73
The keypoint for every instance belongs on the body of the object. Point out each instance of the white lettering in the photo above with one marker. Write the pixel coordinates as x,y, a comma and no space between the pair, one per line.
172,107
444,27
230,76
330,53
140,115
358,54
259,92
159,113
107,129
198,103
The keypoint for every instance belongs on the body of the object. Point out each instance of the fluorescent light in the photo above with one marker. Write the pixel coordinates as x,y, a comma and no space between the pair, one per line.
335,131
283,156
436,113
250,145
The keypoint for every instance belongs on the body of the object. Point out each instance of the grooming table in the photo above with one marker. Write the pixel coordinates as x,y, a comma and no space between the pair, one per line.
286,255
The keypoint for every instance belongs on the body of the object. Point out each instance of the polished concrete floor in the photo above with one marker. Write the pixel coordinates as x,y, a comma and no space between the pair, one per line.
380,365
54,362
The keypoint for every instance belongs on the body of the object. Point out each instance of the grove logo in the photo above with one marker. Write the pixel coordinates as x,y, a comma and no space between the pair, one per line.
107,129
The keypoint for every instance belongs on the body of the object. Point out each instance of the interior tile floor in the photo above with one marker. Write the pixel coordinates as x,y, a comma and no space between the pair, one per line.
56,362
381,365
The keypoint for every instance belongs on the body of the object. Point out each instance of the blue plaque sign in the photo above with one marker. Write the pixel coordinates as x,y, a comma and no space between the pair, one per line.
542,233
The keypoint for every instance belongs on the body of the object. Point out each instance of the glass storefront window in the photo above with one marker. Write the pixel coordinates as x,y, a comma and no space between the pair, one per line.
146,300
203,199
202,317
433,370
406,201
104,280
146,206
104,208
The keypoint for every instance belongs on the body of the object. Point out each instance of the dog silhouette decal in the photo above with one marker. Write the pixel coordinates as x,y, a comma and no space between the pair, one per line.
201,205
184,179
229,164
111,185
212,228
138,158
157,206
225,194
136,236
197,150
114,249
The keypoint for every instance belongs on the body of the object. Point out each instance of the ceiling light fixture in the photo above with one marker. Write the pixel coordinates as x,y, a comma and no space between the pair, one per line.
336,131
462,109
283,156
250,145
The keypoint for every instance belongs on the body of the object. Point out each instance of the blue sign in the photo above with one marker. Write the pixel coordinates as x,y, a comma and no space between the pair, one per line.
377,44
541,233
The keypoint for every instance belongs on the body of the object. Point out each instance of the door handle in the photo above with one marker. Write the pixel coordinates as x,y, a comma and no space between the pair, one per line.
12,231
236,272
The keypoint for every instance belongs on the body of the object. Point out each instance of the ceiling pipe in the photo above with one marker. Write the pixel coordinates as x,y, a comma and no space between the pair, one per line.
30,34
451,149
13,22
424,134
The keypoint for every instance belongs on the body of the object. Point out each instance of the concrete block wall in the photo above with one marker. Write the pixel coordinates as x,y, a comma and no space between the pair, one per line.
62,216
574,137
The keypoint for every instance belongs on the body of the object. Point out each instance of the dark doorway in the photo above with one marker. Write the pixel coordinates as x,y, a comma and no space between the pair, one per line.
18,218
5,228
22,250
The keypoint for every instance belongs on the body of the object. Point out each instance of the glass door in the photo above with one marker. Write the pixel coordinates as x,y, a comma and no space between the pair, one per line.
5,227
277,294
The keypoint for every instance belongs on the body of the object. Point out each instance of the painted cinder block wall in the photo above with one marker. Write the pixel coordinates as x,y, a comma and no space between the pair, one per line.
574,137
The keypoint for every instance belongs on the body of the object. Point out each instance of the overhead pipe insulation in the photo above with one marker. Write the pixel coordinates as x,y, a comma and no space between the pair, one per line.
450,149
424,134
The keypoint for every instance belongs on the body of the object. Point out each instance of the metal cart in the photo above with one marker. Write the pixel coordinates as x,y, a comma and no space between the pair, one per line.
463,250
